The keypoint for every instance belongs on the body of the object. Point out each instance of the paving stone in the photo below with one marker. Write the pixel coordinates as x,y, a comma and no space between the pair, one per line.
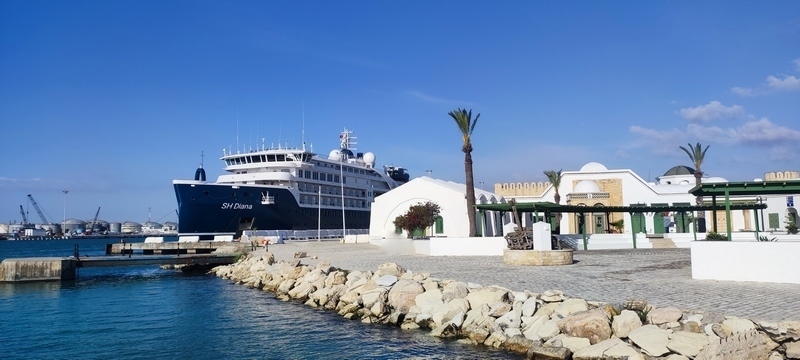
597,275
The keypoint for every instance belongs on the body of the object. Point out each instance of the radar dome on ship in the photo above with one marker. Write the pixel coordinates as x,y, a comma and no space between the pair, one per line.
335,154
369,159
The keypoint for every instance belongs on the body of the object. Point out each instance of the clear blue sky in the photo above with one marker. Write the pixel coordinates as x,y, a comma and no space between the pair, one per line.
112,100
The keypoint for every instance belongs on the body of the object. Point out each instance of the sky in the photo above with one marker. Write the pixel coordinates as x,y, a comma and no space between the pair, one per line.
112,100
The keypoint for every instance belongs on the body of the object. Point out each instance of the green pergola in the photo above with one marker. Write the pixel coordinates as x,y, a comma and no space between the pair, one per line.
746,188
548,208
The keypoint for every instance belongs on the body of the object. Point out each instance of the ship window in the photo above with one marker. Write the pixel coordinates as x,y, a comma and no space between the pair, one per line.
336,178
249,159
256,159
280,157
330,177
315,175
271,158
263,158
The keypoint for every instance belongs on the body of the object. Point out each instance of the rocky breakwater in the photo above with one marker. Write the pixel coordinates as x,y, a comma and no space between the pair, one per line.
541,326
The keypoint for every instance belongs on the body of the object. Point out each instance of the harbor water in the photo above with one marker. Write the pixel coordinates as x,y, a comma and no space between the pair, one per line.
147,312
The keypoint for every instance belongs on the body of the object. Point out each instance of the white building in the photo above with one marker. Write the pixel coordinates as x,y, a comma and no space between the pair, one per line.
593,185
448,195
596,186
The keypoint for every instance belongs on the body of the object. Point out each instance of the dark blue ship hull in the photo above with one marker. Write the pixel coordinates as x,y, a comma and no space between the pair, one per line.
207,209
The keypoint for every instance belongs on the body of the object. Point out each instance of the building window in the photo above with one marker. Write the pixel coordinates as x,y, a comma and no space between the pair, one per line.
439,225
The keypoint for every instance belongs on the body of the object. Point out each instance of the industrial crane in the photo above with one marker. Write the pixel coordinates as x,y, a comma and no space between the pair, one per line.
24,217
94,223
38,210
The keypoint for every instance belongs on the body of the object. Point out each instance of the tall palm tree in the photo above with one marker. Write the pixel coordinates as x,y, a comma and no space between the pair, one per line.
555,179
697,154
466,124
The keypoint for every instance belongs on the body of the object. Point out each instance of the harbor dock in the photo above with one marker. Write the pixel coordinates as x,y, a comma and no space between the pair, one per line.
121,254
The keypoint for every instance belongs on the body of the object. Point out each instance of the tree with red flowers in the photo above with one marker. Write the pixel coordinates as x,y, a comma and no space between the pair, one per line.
418,217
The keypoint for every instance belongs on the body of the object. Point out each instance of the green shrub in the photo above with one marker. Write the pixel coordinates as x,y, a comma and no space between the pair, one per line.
714,236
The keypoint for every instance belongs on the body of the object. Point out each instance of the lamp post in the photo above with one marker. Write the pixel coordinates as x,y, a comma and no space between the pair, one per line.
64,225
761,201
481,182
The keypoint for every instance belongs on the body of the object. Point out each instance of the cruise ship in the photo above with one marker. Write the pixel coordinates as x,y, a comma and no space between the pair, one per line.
284,189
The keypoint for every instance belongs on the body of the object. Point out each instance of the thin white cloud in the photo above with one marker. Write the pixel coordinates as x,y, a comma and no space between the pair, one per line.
765,132
436,100
772,83
661,142
788,83
743,92
711,111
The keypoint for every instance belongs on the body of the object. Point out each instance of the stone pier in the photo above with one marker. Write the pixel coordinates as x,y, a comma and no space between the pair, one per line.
38,269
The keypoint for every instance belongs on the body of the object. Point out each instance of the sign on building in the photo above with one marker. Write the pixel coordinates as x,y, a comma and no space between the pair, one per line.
790,201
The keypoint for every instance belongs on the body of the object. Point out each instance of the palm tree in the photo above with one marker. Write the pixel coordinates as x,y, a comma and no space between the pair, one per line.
466,124
555,179
697,154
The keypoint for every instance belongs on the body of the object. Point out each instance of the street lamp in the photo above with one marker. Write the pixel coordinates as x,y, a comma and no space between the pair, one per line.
64,225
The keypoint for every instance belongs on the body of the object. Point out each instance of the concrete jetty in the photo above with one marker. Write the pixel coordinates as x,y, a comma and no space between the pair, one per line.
65,268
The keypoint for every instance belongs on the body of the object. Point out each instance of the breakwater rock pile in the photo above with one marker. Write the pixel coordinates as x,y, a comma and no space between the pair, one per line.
548,325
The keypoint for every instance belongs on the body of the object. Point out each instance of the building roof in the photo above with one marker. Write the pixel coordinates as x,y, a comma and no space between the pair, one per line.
752,188
679,170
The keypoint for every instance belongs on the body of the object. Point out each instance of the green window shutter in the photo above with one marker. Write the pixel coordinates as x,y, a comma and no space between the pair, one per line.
398,230
774,221
439,225
418,233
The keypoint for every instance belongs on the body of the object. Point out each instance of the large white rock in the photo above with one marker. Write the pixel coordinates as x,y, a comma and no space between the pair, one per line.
625,322
622,351
529,307
572,343
596,351
793,350
370,297
498,308
510,320
386,280
651,339
390,269
548,330
571,306
687,343
455,290
488,295
553,296
403,295
738,325
593,325
429,301
664,315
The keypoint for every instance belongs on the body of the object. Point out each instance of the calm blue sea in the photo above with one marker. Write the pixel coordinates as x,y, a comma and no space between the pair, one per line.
149,313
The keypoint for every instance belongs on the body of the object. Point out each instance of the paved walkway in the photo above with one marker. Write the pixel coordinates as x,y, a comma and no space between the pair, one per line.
663,277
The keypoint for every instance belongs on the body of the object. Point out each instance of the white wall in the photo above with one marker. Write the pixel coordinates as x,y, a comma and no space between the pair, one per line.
760,261
477,246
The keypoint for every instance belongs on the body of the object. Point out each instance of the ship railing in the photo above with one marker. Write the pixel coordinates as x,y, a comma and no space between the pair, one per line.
267,199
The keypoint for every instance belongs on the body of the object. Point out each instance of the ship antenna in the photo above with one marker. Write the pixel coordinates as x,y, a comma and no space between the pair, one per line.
237,130
201,159
303,129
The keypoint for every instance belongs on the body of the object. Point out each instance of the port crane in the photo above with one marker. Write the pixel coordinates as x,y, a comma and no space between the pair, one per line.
38,210
94,224
24,217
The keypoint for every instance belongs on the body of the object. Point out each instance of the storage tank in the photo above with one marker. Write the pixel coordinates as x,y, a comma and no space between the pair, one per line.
52,229
170,226
130,227
115,228
74,226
